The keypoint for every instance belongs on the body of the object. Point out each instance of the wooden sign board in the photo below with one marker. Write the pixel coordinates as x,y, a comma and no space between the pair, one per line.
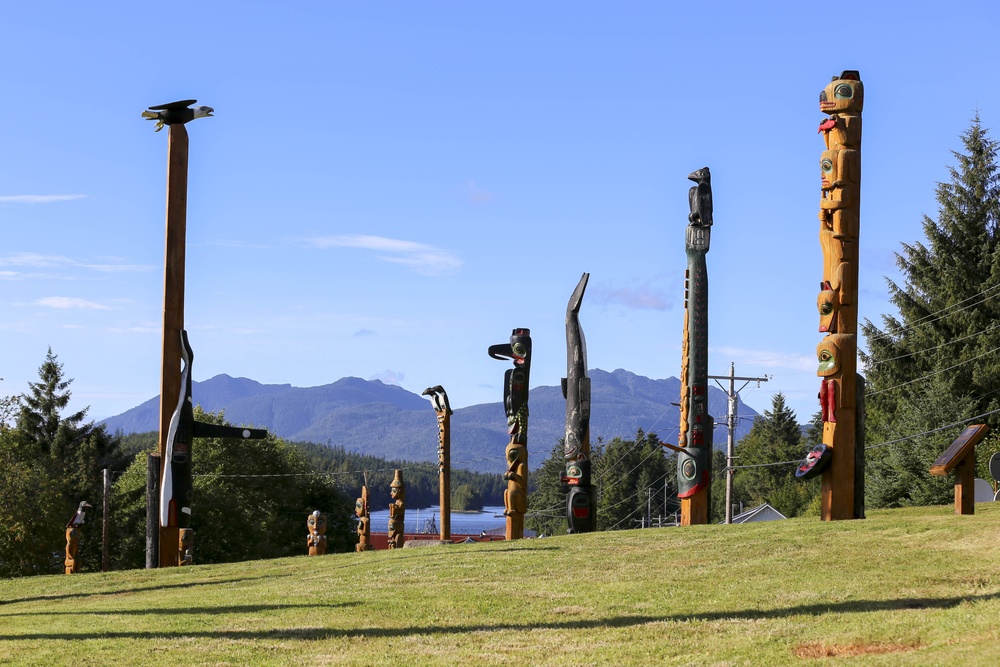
995,466
959,449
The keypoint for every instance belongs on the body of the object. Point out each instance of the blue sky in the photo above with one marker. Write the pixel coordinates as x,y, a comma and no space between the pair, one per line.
387,189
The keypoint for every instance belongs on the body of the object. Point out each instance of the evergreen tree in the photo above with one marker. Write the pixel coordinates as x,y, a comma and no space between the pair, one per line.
632,477
938,361
774,437
547,503
75,452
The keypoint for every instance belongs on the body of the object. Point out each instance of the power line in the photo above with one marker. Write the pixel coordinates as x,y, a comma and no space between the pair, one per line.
936,347
930,317
933,373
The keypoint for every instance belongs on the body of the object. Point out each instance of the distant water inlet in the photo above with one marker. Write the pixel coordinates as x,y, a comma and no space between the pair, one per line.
428,520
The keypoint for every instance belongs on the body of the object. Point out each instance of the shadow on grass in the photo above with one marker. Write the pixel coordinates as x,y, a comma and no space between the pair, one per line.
857,606
143,589
187,611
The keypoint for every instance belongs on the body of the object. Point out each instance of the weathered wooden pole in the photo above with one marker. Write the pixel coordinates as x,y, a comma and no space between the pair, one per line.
106,523
694,462
839,215
515,399
439,399
152,510
580,508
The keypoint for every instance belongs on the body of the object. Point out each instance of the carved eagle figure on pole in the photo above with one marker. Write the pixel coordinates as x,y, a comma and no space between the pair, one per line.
176,113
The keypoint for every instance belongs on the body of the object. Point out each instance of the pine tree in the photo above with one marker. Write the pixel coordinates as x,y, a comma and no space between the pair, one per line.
938,361
775,437
547,503
627,475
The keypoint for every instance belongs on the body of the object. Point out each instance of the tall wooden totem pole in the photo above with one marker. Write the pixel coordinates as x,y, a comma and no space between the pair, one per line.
694,463
364,522
439,399
841,388
397,511
515,400
175,541
580,509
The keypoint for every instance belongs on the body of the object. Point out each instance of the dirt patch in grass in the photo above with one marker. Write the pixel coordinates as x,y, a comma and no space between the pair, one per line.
824,650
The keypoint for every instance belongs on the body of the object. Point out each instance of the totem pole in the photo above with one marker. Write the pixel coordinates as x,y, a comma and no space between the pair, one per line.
515,400
841,388
694,463
73,538
439,399
364,522
316,539
175,115
580,509
397,511
177,484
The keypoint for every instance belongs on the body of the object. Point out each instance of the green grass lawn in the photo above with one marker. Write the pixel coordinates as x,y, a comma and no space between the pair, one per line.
904,587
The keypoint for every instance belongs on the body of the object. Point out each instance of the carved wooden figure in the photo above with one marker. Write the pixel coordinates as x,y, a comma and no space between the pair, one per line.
516,405
840,196
694,462
316,538
364,522
439,399
72,563
397,511
580,506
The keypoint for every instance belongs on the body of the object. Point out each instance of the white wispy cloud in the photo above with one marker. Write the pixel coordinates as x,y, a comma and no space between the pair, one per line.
421,257
768,358
37,199
70,302
36,260
476,194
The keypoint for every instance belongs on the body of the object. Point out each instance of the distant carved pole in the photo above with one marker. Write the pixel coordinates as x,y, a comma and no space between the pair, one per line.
106,523
515,399
840,168
580,510
397,511
439,399
316,539
694,463
364,522
72,563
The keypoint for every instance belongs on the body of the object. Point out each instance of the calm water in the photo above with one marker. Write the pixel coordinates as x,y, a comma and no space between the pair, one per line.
463,523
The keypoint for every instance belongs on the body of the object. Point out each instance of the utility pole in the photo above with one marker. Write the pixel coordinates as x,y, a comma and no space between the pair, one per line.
731,417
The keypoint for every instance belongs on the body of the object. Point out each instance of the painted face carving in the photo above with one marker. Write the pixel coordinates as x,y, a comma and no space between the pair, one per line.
827,304
845,94
828,354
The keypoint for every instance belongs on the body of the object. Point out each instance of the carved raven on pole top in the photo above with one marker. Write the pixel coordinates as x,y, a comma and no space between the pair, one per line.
176,113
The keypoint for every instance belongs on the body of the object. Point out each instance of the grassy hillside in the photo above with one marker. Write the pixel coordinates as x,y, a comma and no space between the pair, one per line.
905,587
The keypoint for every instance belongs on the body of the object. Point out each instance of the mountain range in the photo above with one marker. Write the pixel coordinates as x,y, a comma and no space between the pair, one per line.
388,421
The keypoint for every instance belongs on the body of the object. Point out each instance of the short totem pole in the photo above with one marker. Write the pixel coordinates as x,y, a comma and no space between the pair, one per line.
841,388
397,511
515,400
364,522
694,463
316,538
580,510
71,563
439,399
